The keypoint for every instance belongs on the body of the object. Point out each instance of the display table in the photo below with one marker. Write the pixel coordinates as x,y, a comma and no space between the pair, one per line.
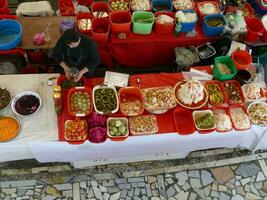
39,135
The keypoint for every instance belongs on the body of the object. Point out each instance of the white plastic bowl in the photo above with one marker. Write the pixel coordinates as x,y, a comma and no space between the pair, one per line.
200,113
19,95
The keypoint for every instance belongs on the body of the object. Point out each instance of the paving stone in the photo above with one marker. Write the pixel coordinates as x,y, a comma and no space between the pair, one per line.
125,186
182,177
13,195
9,190
155,193
168,175
143,191
76,191
8,197
97,193
155,198
182,195
172,198
237,183
105,176
254,189
224,196
94,183
247,169
170,192
134,185
222,174
52,191
263,167
192,196
139,179
67,186
47,197
238,197
148,190
128,198
222,188
195,183
9,184
153,186
186,186
230,185
169,181
161,187
83,197
29,192
200,193
258,185
194,174
215,186
103,188
263,193
251,196
260,176
207,190
124,194
83,185
238,177
240,190
245,181
234,192
234,167
108,183
206,177
121,180
90,192
176,187
115,196
264,186
141,184
214,194
130,193
67,193
137,191
151,179
136,198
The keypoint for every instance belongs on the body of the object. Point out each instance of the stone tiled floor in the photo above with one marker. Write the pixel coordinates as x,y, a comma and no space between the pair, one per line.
242,178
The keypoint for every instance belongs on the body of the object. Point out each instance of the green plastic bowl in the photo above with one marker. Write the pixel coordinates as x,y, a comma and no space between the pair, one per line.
227,61
139,25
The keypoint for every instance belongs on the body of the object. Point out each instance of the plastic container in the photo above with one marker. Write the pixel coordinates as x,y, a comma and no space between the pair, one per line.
256,88
162,5
226,60
130,94
232,95
224,110
255,29
100,29
258,8
116,96
139,25
234,122
212,31
149,8
120,22
256,115
184,2
212,94
78,137
188,26
205,51
209,5
79,89
4,7
164,28
98,7
120,9
184,121
66,7
249,9
200,113
84,22
116,137
242,59
143,125
11,34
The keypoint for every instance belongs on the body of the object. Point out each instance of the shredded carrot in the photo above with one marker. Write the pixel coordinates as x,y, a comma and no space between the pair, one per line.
8,128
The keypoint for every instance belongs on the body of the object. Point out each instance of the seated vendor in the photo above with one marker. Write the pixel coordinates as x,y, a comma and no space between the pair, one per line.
74,50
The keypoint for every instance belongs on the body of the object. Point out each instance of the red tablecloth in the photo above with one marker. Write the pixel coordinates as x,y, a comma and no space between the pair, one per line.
165,121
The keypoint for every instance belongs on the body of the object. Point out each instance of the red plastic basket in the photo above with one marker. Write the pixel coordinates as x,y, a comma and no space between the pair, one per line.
66,7
202,15
100,7
120,22
255,29
100,29
81,16
4,7
164,28
85,2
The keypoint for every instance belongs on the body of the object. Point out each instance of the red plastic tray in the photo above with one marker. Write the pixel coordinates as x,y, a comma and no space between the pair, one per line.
184,121
239,89
244,109
218,83
226,110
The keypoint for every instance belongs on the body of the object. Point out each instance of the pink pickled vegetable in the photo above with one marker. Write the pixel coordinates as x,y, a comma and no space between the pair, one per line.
98,134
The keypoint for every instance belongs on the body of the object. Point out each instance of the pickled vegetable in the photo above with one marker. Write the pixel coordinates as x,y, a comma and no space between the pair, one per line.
215,94
205,122
233,93
76,130
215,22
117,127
80,102
119,5
105,99
4,98
67,84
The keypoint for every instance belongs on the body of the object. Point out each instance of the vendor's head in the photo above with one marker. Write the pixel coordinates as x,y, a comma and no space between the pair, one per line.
72,38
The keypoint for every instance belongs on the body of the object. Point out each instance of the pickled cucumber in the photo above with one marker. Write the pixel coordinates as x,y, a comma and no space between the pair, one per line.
205,122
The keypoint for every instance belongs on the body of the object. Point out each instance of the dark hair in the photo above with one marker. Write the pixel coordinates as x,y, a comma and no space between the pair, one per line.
71,35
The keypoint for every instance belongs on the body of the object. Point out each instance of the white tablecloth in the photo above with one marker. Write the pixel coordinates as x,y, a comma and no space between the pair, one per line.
38,137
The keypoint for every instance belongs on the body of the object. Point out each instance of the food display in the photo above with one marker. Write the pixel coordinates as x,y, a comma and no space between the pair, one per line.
117,127
131,108
5,98
183,4
164,19
80,102
98,130
9,128
240,118
254,91
76,130
208,8
222,120
105,99
215,22
188,17
216,95
257,113
27,104
119,5
140,5
204,120
85,24
223,68
191,94
233,92
100,14
143,125
159,98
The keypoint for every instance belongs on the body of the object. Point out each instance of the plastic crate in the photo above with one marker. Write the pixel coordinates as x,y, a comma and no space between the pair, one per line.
164,28
212,31
100,29
255,29
99,7
4,7
87,16
230,64
66,7
189,26
120,22
143,28
162,5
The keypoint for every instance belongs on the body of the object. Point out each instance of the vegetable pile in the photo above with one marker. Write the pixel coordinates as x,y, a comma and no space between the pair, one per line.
205,122
119,5
98,131
117,127
216,95
80,102
105,99
233,92
76,130
9,128
4,98
27,104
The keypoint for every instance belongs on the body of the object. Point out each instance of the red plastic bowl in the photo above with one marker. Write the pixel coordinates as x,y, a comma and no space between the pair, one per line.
242,59
255,29
239,89
184,121
218,83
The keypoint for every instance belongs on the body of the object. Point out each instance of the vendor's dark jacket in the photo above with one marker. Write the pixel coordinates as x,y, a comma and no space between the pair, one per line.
85,55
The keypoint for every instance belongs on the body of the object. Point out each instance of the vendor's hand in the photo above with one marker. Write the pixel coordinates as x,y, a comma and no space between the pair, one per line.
78,77
67,74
